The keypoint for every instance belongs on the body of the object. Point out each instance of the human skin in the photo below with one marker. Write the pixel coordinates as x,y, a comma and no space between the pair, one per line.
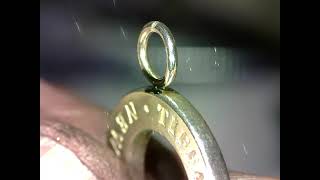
72,142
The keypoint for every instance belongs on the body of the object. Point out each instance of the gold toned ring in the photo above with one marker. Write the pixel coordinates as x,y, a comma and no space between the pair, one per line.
169,43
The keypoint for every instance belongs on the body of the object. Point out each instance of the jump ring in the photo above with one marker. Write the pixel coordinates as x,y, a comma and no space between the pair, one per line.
171,54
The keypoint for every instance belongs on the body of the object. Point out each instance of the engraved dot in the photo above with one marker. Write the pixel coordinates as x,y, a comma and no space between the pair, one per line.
146,108
58,138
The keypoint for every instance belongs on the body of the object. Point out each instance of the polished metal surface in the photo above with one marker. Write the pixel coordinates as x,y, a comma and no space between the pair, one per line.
171,51
166,112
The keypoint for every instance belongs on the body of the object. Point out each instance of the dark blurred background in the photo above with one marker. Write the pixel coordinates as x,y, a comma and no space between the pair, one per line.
229,63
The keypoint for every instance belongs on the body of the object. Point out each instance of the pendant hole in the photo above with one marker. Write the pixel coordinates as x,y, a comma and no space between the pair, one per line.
157,55
162,161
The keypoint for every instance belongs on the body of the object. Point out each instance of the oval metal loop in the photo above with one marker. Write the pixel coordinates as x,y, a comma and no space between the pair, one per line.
171,54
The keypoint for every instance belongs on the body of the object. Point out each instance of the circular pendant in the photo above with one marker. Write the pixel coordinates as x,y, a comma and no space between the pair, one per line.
163,110
174,118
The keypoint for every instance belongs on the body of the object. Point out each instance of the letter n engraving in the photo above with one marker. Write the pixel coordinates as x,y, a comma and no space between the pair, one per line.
131,112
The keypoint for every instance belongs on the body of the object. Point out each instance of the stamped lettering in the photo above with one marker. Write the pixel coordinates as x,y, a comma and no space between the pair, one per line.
116,141
191,154
184,140
173,125
163,114
157,116
198,175
131,112
122,123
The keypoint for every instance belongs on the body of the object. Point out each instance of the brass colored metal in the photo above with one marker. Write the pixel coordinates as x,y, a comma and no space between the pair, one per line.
162,110
173,117
171,51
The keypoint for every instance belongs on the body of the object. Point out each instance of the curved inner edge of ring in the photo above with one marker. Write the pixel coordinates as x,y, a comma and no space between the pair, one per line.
162,161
